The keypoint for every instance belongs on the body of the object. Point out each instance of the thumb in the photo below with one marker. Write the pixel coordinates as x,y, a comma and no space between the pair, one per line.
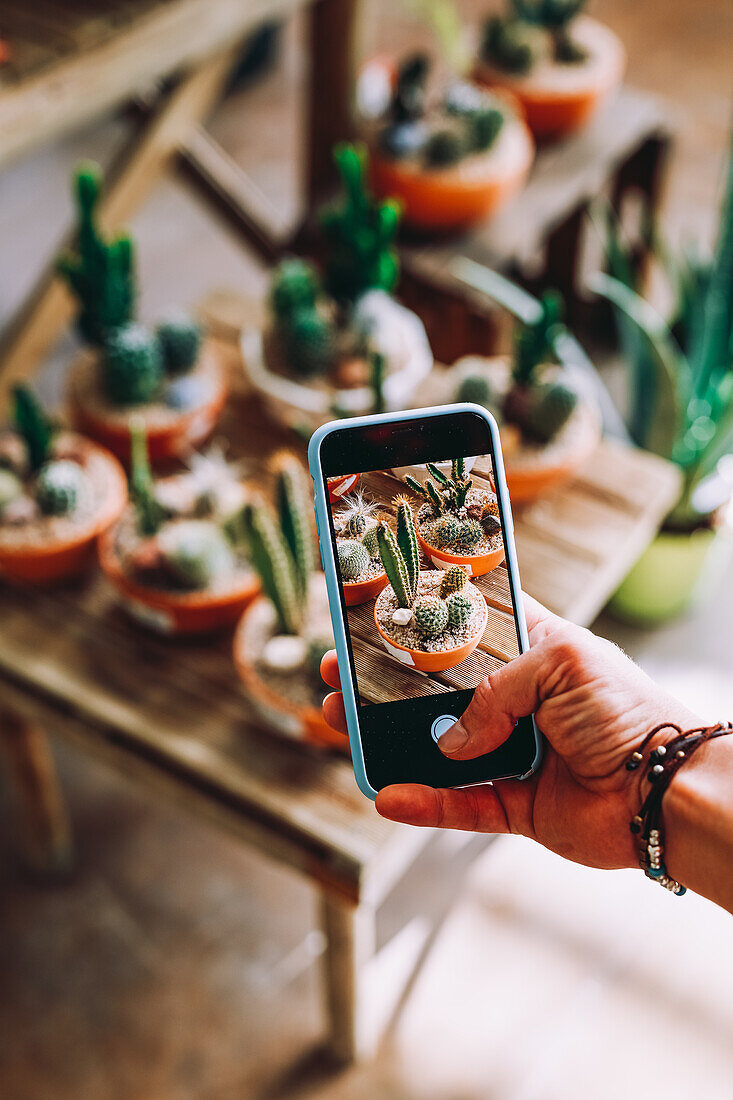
510,693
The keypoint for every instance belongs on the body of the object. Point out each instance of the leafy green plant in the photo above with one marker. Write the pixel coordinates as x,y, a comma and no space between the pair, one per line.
99,271
680,368
359,233
33,426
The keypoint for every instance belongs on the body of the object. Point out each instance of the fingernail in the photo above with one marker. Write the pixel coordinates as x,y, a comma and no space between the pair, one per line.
453,739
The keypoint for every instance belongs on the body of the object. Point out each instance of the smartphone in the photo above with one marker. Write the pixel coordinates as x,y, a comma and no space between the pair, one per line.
419,498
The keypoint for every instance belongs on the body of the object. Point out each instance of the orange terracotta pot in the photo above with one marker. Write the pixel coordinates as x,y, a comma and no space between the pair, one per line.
526,483
339,487
449,198
165,443
431,662
476,565
301,723
47,563
356,592
175,613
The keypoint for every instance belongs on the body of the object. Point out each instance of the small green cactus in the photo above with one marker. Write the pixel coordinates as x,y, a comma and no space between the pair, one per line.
295,510
446,531
356,525
371,542
179,338
407,542
377,375
149,512
444,148
444,492
476,389
353,558
99,272
58,487
11,488
551,407
430,616
359,233
195,553
470,533
512,45
132,366
295,286
316,651
33,425
454,580
395,566
271,557
309,341
534,344
460,610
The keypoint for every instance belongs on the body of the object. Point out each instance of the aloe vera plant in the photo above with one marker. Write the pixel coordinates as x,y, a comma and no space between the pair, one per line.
680,368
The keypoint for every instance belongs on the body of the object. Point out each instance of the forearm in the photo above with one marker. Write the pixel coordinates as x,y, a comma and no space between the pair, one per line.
698,823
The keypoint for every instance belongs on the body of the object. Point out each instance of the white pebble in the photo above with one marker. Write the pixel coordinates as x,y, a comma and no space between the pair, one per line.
402,616
284,653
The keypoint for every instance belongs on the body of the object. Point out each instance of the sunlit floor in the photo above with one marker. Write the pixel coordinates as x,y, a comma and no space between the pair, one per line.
178,965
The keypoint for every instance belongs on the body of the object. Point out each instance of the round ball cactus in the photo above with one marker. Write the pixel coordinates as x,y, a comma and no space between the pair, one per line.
353,559
295,286
179,337
370,541
554,406
460,610
11,488
454,579
470,532
309,342
430,615
132,366
195,553
58,487
447,532
476,389
444,148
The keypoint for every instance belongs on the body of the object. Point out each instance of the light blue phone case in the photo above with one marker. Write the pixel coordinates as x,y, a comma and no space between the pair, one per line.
329,564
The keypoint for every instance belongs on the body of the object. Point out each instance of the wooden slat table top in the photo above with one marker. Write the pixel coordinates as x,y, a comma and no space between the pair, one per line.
564,176
72,60
179,705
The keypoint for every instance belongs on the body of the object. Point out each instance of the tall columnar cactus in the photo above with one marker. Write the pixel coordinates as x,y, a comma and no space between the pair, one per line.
534,344
445,491
407,541
33,425
359,233
295,510
149,511
271,557
395,566
99,271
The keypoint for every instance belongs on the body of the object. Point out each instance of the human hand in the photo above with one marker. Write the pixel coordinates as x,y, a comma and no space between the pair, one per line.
592,703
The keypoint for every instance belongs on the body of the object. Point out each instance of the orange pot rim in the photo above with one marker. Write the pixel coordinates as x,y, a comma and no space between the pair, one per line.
110,512
336,498
495,556
356,592
159,598
422,654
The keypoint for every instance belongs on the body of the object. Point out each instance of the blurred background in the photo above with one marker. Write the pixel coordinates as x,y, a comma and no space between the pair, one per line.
178,961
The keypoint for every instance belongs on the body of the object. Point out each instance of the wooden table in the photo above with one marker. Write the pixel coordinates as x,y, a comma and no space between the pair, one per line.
173,715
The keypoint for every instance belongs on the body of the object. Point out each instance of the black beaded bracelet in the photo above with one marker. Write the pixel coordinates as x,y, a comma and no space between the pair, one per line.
663,764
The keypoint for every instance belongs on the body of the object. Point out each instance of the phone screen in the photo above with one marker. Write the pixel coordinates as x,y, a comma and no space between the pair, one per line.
419,539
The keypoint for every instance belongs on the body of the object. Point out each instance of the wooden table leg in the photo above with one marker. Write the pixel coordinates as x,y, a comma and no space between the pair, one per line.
349,931
43,821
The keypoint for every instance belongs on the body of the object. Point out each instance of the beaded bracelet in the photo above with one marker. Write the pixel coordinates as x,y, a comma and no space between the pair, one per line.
663,764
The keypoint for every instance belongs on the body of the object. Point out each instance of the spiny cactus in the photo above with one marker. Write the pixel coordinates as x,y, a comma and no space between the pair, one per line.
353,558
98,271
407,541
470,532
512,45
534,344
132,366
356,525
271,558
359,233
532,30
58,487
446,531
454,579
11,488
551,408
395,566
295,509
430,616
33,425
295,286
309,341
195,553
377,375
444,492
444,148
179,338
149,512
476,389
371,542
460,610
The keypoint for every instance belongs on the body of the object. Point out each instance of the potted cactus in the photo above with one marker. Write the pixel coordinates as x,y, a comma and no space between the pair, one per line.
559,63
337,342
457,523
340,485
168,377
452,156
283,635
58,493
360,566
680,371
429,619
176,555
548,426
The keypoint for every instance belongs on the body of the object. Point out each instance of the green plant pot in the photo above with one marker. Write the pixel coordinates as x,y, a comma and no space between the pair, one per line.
665,578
